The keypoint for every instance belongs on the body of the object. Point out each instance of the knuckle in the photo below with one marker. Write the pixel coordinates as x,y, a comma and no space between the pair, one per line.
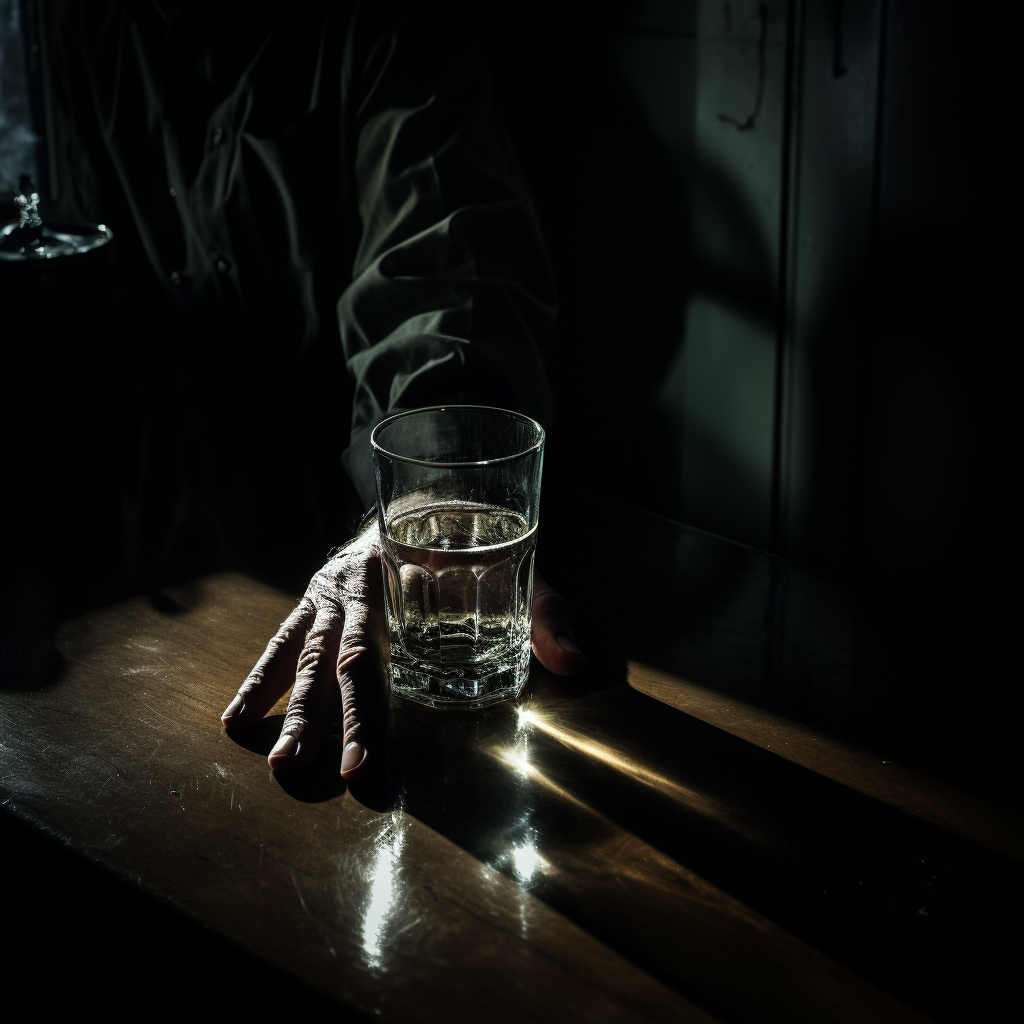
350,707
310,659
348,657
325,629
350,726
298,618
300,710
295,719
252,684
320,634
345,577
352,648
275,646
295,723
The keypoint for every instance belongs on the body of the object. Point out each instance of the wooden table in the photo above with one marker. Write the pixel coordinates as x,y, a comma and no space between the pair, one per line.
683,834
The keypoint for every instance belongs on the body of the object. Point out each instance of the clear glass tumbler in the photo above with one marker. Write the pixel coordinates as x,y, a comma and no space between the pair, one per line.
458,491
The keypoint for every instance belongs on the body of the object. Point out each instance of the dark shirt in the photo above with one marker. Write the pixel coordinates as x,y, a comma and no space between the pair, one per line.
290,181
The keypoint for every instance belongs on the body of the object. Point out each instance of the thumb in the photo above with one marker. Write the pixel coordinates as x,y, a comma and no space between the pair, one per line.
552,635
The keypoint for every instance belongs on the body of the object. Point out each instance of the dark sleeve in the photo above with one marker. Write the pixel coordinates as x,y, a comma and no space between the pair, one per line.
452,298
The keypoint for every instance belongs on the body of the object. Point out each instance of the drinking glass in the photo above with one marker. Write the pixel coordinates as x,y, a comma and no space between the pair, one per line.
458,490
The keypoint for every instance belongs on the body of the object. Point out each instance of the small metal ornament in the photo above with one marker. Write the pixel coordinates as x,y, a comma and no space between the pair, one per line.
53,269
27,236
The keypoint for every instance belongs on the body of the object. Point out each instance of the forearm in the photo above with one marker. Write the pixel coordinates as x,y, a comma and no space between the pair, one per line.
452,298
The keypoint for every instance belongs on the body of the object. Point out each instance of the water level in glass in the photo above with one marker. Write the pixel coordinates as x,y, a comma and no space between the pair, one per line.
459,584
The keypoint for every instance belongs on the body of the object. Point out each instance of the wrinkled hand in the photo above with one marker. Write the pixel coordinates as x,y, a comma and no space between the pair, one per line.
332,650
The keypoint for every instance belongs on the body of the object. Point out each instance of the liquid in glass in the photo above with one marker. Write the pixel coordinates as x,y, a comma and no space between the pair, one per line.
459,588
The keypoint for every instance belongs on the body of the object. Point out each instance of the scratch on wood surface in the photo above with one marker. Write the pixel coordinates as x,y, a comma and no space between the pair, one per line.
167,718
298,892
401,931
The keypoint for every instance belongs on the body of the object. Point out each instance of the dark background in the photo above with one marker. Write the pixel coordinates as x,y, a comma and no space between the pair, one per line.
782,239
796,335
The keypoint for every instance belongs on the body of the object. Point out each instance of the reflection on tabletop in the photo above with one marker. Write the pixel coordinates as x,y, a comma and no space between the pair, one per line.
651,841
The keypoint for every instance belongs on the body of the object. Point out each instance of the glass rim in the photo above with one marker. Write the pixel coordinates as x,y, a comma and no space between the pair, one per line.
536,447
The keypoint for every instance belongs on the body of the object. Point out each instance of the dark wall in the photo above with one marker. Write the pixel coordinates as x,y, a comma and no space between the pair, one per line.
738,198
780,232
938,542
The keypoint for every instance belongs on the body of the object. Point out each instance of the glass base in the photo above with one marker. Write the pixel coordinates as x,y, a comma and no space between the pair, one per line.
460,687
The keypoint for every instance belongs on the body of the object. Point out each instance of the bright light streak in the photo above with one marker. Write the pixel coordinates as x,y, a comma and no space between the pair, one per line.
601,752
515,757
383,891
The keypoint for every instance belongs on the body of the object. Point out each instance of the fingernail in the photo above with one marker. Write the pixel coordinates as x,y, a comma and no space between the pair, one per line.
234,708
566,644
286,746
351,756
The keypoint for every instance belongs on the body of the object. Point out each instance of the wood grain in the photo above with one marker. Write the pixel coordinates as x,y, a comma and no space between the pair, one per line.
997,827
125,757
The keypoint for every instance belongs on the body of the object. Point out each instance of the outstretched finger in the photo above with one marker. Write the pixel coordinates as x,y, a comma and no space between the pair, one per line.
273,673
362,679
313,705
553,641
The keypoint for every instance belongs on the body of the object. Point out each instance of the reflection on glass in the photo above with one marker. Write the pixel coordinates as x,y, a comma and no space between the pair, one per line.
383,888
